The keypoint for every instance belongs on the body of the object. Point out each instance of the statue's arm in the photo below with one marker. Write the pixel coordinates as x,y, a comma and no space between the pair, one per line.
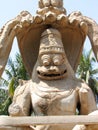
88,106
21,101
87,100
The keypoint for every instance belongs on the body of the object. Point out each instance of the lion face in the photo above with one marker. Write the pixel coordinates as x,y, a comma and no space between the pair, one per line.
51,66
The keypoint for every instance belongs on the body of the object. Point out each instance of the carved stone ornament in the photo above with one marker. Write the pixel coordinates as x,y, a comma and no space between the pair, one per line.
50,44
27,28
52,6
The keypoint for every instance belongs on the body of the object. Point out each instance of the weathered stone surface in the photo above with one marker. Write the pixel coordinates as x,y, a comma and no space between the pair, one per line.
15,122
53,90
51,45
27,29
16,128
48,120
53,6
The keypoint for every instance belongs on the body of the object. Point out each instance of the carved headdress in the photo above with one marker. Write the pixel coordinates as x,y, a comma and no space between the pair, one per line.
51,42
28,30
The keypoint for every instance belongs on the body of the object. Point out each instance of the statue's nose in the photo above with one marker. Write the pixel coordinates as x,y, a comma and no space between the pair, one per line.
53,69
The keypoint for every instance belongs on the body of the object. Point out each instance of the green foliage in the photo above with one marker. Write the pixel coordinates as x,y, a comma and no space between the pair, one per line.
4,102
4,106
87,72
3,95
11,87
93,83
15,70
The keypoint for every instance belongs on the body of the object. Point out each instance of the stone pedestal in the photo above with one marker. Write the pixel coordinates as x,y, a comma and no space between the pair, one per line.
16,128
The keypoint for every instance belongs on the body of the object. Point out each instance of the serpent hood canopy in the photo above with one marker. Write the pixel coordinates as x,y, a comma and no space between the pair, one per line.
28,29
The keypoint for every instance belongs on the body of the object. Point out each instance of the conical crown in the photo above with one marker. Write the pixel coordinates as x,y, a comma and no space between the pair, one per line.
51,42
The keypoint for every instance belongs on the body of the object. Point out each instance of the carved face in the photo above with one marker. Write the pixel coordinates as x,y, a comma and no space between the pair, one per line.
51,66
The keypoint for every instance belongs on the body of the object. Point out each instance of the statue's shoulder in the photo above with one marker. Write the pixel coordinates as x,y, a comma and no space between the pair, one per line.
24,87
81,84
84,87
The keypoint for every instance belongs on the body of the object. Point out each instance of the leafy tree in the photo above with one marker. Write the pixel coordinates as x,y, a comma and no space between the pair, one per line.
14,71
5,101
87,72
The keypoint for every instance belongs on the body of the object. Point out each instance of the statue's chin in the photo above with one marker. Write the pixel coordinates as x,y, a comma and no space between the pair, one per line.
52,76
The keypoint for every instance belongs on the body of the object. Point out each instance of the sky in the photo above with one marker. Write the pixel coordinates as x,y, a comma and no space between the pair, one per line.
11,8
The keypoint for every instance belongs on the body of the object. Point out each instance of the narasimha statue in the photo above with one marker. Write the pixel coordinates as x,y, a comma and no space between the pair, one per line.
53,90
51,45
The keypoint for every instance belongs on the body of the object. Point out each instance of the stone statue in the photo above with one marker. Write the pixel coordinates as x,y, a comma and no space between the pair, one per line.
51,45
53,90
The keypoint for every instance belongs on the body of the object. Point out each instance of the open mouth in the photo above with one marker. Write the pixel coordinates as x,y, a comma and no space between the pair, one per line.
52,76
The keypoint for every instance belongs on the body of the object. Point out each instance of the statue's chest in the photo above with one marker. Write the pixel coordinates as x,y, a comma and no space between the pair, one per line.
47,101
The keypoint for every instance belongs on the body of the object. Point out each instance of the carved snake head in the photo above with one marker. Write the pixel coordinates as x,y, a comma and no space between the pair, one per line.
47,3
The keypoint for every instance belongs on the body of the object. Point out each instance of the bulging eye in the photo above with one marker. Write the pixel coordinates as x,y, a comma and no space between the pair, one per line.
58,59
46,60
